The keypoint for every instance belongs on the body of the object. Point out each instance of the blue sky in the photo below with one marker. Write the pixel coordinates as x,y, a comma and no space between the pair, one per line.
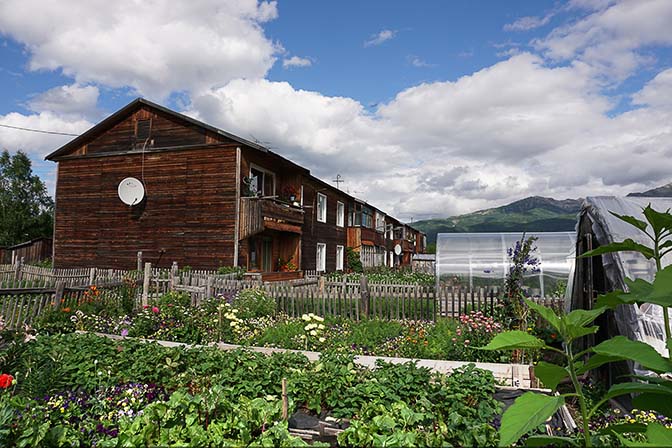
462,104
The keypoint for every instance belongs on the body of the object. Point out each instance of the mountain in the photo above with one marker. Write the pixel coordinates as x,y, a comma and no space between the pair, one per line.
664,191
533,214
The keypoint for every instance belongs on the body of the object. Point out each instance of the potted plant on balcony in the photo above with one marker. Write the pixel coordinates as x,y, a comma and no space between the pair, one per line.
289,194
287,266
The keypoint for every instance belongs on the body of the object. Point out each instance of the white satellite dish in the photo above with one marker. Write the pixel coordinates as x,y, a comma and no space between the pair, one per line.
131,191
397,249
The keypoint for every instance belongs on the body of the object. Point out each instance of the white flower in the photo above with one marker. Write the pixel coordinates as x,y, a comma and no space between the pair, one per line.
313,332
321,326
305,317
322,339
318,318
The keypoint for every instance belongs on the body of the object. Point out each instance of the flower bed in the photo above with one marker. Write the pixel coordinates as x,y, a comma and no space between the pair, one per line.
249,319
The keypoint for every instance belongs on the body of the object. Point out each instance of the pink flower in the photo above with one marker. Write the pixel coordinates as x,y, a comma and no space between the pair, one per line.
155,309
124,332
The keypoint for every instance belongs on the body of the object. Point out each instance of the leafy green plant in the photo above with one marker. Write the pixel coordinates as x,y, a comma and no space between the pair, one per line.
353,260
254,302
236,270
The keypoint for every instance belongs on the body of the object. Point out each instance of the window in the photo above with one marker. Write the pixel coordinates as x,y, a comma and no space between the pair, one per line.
143,129
340,214
361,215
380,222
321,207
262,182
339,258
321,262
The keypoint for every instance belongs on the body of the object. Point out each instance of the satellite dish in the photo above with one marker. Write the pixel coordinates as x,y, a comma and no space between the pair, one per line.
131,191
397,249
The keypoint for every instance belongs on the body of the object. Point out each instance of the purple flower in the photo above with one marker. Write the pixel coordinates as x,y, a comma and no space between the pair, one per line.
124,332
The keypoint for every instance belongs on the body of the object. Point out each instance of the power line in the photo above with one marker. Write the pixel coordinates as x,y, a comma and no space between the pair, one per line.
38,130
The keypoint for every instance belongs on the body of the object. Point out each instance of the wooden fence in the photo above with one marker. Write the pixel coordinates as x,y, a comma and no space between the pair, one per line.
23,306
25,291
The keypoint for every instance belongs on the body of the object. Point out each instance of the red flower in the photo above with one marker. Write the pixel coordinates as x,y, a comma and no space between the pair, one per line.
6,380
155,310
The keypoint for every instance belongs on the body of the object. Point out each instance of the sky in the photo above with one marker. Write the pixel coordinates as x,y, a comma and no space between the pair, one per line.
426,109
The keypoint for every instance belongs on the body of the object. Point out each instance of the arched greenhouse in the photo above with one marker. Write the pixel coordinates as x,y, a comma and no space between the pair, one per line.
483,260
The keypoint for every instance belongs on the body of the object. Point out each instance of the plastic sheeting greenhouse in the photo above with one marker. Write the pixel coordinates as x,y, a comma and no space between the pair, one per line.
476,260
597,224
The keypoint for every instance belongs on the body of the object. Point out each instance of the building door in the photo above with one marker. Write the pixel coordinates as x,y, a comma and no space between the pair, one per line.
267,255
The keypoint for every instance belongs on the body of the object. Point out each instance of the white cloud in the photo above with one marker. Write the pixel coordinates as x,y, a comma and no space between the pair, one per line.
67,100
296,61
38,144
515,129
523,126
379,38
608,38
156,47
658,92
528,23
416,61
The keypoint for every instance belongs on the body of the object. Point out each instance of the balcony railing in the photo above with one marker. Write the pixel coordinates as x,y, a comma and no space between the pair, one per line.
258,214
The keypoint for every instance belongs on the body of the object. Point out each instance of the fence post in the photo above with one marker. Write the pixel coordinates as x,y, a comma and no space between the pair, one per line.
58,295
17,269
208,287
364,291
92,276
139,268
173,276
145,284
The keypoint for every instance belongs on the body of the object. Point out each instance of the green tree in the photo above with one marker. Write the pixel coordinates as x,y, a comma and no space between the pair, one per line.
26,210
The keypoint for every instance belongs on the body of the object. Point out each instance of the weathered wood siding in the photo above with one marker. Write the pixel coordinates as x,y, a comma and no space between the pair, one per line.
317,232
30,252
188,215
166,131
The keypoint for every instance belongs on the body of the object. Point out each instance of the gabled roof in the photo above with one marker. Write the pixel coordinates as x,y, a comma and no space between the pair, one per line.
131,107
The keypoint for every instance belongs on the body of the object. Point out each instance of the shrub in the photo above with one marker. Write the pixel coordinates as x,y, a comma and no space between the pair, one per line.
354,262
225,270
254,303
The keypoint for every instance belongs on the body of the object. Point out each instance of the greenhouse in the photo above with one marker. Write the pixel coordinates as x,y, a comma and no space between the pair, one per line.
599,275
482,260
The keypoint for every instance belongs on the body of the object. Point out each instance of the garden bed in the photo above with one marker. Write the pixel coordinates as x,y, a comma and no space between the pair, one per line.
82,389
512,375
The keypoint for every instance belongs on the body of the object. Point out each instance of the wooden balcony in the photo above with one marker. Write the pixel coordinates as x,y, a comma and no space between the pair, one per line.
257,215
406,246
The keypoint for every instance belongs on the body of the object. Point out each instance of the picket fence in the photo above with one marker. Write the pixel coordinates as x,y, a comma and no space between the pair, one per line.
26,292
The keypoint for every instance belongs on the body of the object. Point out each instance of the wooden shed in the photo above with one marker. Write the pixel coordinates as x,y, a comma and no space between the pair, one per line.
33,251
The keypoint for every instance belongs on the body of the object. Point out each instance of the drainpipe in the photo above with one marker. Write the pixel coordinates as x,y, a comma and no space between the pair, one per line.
236,230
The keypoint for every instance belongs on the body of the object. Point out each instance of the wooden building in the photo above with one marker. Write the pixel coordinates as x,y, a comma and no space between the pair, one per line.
211,199
33,251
